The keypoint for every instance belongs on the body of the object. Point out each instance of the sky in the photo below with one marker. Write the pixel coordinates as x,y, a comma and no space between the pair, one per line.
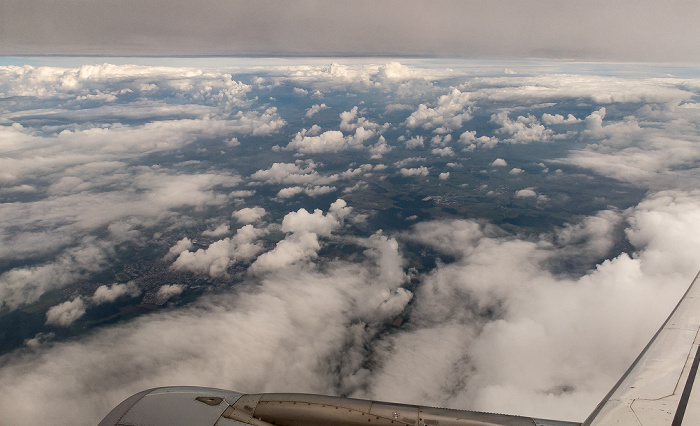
99,159
626,30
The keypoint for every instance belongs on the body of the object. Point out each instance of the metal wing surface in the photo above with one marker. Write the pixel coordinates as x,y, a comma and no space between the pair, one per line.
192,406
660,387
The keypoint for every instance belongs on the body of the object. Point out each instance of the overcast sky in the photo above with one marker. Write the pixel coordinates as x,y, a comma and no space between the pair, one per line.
625,30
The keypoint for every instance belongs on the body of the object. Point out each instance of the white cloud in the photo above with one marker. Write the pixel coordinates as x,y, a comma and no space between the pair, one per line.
415,171
302,221
289,192
65,313
292,173
415,142
293,249
585,86
179,247
409,160
249,214
330,141
449,113
315,191
222,254
469,139
525,193
351,120
108,294
653,154
440,141
499,162
444,176
619,131
315,109
515,171
443,152
24,285
523,129
220,230
380,148
302,244
242,193
168,291
559,119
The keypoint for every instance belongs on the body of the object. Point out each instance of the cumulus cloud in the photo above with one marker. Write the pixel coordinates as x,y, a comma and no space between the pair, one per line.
242,193
469,139
317,222
65,313
310,190
249,214
525,193
315,191
220,255
351,120
289,192
524,129
220,230
380,148
315,109
415,142
499,162
108,294
179,247
168,291
414,171
292,173
443,152
448,114
559,119
330,141
409,160
302,244
291,250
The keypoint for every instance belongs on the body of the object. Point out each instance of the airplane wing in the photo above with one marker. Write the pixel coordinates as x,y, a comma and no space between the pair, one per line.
658,389
194,406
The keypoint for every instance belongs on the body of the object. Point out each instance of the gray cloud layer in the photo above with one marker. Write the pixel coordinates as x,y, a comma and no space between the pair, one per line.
622,30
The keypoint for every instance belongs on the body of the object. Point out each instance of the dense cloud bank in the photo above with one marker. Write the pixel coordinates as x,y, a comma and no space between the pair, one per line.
501,242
